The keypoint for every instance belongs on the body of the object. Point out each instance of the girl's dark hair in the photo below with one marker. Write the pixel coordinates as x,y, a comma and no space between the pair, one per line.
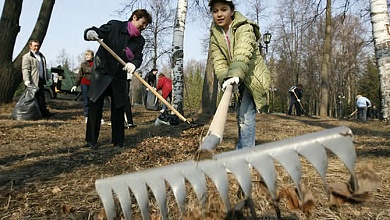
141,13
230,3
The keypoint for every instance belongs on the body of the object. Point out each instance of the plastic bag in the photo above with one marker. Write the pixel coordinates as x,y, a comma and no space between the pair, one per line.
168,118
27,107
151,101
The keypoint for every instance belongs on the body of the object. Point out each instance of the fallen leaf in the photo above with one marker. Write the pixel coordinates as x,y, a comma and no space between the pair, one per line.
291,197
367,180
56,190
66,208
308,202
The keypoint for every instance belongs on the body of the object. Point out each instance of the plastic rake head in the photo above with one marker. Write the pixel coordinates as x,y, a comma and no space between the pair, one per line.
311,146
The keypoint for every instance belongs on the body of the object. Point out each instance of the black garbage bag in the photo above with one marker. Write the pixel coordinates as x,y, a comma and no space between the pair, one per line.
151,101
27,107
168,119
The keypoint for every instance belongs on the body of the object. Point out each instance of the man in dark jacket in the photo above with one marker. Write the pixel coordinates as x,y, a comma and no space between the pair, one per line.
109,77
295,99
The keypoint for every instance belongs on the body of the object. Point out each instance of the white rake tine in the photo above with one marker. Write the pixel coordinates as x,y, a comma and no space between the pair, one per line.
156,183
138,188
289,159
105,192
317,157
264,165
217,173
198,181
123,194
240,169
177,183
344,149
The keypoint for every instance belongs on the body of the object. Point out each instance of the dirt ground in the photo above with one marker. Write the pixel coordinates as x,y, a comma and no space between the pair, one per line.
47,173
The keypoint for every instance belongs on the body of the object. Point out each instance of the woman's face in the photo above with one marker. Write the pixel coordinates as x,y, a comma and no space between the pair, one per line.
88,56
140,24
222,15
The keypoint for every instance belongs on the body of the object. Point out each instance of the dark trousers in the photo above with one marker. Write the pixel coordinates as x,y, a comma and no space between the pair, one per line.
294,102
40,95
94,122
129,114
84,92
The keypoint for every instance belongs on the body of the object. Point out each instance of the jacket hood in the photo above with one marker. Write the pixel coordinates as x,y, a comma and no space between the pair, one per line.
239,20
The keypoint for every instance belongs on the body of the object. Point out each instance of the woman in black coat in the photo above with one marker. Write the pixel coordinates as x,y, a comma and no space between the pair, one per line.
109,77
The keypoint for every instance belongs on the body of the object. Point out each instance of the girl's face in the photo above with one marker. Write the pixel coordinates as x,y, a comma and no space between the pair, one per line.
88,56
222,15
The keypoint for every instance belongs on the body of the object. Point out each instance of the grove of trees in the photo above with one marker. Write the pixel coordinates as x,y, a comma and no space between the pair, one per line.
327,46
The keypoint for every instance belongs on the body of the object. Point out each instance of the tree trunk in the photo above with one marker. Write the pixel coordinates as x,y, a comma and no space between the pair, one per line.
381,33
10,22
210,89
177,55
327,49
10,71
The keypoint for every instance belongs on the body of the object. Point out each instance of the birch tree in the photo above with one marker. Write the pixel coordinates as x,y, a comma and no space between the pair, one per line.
178,54
381,34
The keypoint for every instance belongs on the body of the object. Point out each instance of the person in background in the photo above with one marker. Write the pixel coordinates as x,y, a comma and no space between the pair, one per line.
238,62
374,112
129,123
35,73
109,77
53,86
150,78
83,79
165,85
362,104
295,99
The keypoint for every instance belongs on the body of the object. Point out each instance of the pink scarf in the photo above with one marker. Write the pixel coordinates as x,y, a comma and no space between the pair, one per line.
133,32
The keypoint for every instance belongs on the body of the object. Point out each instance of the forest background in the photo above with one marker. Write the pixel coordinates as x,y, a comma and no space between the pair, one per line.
294,54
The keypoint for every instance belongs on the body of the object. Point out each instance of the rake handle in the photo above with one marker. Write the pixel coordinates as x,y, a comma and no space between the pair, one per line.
298,101
143,82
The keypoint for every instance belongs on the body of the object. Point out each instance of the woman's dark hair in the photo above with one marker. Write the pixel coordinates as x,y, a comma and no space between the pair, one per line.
141,13
230,3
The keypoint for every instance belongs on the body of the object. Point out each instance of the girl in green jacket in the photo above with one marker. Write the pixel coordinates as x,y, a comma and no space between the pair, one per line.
237,61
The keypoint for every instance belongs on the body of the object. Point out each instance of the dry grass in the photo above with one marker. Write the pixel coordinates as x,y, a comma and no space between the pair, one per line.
46,173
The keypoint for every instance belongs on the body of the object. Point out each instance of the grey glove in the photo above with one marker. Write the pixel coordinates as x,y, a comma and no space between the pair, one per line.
92,35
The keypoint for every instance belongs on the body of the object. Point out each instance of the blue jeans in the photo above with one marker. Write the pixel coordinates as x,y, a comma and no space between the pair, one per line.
362,114
84,93
246,120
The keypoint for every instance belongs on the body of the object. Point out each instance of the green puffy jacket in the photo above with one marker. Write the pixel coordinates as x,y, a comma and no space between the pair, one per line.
245,61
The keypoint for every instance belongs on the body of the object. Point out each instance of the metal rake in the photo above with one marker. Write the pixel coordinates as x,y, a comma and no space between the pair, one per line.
313,147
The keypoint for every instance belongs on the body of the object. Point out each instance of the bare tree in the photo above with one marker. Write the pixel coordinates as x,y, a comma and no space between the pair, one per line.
10,70
327,50
381,33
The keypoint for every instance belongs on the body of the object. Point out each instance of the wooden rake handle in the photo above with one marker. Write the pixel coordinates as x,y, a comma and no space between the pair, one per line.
144,82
